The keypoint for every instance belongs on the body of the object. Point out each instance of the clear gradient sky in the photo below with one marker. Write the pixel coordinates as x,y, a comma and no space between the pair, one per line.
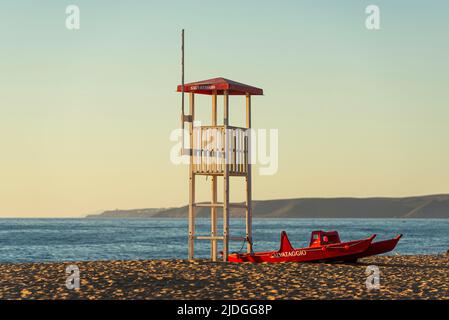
85,116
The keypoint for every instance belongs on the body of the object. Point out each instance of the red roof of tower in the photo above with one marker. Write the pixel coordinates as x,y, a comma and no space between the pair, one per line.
218,85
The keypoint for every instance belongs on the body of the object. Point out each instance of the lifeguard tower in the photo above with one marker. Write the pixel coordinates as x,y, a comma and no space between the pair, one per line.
219,151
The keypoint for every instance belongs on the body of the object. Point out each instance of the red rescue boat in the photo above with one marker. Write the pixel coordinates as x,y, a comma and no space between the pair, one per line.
324,246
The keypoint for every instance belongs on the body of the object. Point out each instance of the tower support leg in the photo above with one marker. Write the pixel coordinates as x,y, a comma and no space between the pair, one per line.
191,241
213,220
213,212
226,218
249,211
226,180
191,217
248,215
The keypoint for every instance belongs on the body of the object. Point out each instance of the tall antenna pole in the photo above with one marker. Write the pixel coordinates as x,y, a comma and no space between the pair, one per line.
182,90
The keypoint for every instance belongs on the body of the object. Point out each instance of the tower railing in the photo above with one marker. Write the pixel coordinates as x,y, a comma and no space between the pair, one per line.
209,150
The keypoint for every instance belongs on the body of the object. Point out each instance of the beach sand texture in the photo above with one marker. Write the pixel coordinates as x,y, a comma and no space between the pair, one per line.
401,277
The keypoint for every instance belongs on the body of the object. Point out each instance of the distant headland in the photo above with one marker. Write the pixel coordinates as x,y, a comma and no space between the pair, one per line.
431,206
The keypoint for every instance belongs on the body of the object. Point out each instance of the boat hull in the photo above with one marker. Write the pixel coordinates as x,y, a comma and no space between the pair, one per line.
309,254
375,248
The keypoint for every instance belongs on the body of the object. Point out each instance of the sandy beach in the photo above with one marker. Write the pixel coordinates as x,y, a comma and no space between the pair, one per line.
401,277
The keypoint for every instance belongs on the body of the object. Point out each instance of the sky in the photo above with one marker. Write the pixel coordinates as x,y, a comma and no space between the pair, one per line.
86,115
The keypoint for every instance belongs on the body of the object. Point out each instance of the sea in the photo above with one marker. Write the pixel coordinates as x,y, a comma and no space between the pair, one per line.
55,240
